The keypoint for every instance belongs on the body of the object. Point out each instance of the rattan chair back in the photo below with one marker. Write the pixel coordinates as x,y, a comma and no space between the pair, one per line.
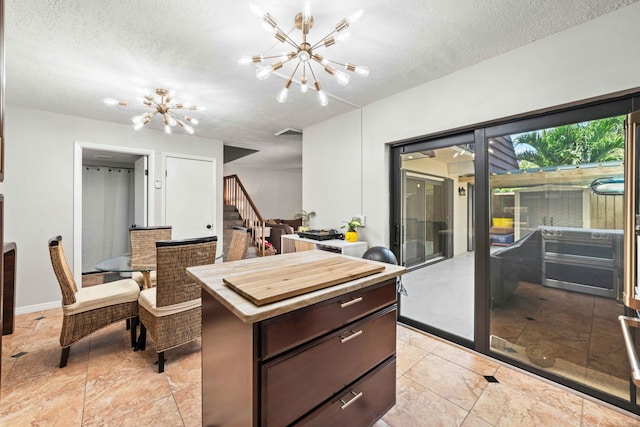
173,257
63,272
239,244
143,244
88,310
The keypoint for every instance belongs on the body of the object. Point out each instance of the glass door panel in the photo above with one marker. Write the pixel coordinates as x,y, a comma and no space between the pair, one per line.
436,231
556,249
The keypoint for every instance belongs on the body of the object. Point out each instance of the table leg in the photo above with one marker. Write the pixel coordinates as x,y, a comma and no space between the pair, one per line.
146,277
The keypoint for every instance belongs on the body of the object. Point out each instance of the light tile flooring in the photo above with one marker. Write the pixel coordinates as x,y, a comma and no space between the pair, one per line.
105,383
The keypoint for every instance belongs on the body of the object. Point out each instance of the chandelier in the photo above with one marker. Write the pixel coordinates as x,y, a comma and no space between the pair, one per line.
161,107
305,53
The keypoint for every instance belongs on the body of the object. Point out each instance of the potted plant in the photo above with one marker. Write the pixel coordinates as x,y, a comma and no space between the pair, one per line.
352,234
305,216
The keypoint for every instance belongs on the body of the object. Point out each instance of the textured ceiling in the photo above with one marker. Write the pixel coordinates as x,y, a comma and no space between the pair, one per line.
67,55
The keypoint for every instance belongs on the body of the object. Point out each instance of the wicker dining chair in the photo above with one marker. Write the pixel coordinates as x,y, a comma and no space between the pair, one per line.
88,309
143,249
171,311
239,244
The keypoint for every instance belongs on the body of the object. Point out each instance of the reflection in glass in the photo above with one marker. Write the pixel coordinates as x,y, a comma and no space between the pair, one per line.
556,251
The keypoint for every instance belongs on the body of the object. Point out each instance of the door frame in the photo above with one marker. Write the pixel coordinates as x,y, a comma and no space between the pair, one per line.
79,146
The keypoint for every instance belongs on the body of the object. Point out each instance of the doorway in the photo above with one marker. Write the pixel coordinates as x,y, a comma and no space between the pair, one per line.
434,235
111,193
547,248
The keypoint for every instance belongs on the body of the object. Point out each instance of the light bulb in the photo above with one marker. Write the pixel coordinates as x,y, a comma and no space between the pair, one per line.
167,129
110,101
355,17
343,37
306,11
136,119
282,96
303,85
245,60
303,56
172,121
263,73
322,97
192,120
341,77
362,70
138,126
268,27
189,129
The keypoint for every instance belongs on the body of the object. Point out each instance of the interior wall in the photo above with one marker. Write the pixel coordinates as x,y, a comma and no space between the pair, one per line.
277,193
585,61
332,162
38,186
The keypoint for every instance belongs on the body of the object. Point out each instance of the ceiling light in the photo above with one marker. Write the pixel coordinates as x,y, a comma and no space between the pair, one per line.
163,108
305,53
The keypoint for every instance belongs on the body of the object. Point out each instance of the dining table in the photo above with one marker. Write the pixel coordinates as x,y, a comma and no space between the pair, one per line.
122,264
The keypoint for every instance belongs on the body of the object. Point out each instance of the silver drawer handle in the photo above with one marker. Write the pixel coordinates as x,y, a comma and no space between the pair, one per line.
351,302
355,397
350,337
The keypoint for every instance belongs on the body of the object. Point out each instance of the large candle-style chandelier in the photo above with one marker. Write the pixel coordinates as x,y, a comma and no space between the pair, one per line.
162,107
305,53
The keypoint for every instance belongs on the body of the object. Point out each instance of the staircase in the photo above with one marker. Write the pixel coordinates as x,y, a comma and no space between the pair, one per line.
239,210
231,219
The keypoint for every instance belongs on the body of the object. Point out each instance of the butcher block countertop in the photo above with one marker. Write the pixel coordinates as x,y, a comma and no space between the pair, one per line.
212,279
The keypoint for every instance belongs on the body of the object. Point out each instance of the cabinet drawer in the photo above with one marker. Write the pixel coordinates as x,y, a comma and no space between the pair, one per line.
294,384
292,329
360,404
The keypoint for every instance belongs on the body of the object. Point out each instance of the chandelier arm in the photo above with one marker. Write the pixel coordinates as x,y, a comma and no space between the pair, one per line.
322,40
286,37
294,71
312,73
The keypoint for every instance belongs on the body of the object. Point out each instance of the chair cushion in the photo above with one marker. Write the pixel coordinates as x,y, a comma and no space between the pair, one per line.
99,296
139,277
147,300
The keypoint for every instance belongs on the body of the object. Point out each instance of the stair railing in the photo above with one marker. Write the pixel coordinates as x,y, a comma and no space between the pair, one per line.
236,195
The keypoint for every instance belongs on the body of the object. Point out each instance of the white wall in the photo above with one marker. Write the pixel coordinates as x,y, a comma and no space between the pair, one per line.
277,193
592,59
38,186
332,172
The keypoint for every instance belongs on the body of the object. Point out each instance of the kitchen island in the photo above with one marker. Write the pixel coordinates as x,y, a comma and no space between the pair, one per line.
325,357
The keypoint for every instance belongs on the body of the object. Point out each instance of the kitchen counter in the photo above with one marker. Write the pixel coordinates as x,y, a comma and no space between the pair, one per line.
210,278
326,357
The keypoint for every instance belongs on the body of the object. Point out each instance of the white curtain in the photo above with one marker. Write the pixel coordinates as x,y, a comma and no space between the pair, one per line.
107,213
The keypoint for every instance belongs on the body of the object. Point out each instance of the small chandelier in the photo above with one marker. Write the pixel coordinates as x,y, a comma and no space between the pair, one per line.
305,53
163,108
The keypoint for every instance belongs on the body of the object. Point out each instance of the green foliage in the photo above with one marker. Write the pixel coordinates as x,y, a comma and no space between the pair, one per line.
351,225
590,142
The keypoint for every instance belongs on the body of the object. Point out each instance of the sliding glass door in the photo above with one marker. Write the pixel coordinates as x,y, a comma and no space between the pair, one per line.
513,239
427,214
433,224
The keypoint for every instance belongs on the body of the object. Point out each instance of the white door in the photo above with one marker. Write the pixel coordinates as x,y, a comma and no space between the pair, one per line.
190,197
140,192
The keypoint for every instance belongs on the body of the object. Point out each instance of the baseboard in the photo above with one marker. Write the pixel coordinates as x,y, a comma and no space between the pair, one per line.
38,307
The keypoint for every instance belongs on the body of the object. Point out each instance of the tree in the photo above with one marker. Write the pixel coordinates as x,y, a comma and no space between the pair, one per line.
591,142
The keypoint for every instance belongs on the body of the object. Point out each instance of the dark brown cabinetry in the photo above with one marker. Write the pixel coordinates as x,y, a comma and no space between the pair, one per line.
329,363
